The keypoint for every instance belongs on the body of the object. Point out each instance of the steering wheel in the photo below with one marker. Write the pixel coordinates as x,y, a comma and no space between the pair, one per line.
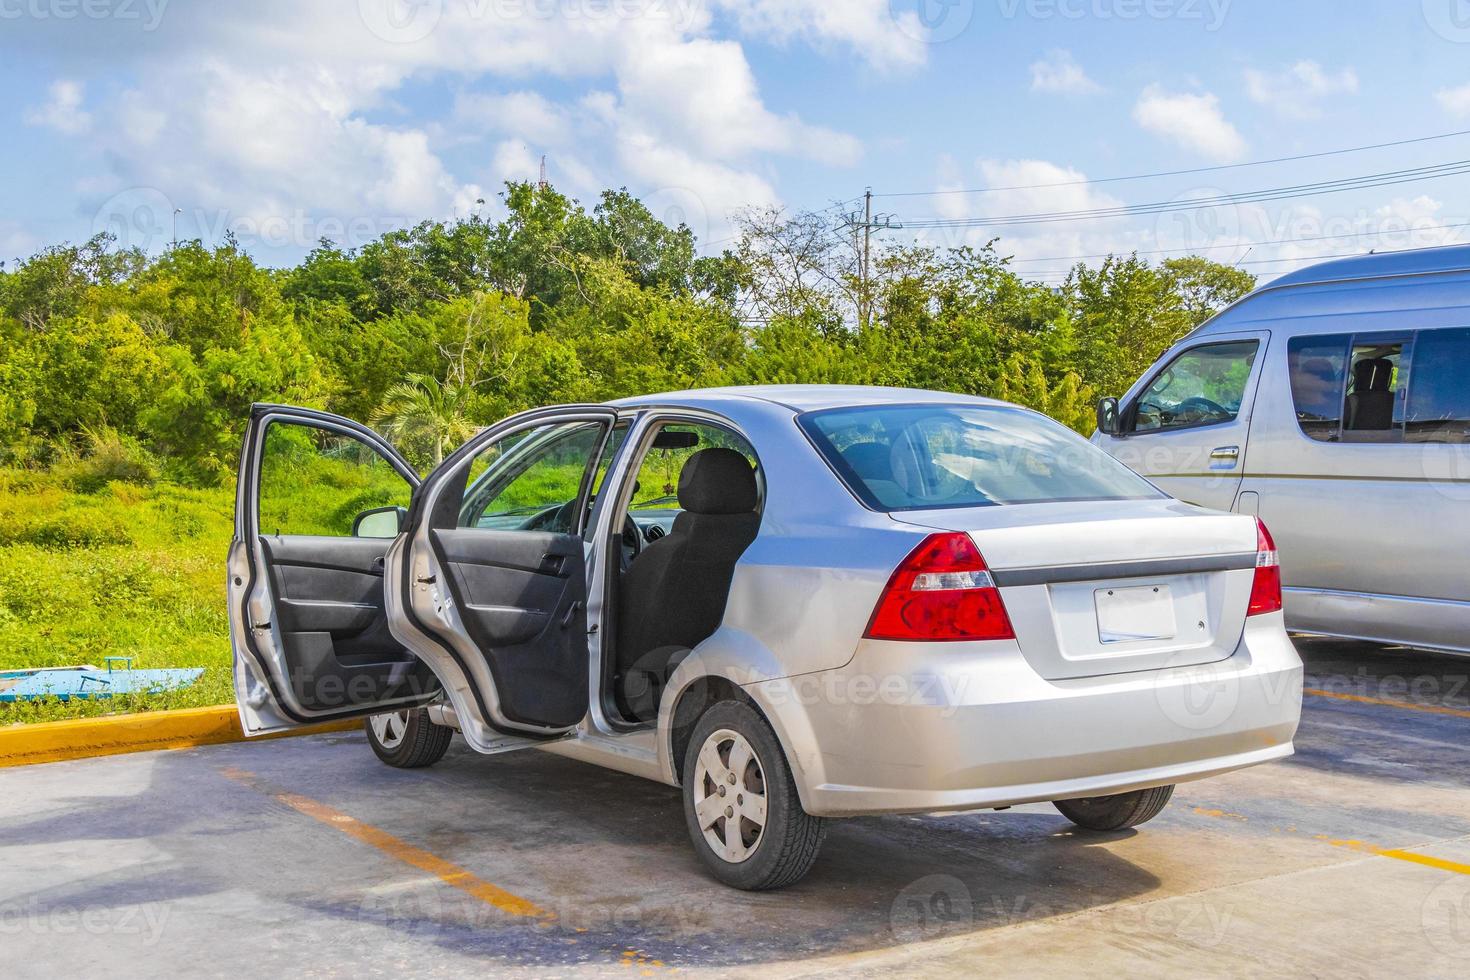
559,520
1203,406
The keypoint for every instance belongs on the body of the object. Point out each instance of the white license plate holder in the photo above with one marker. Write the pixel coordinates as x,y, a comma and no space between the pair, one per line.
1127,615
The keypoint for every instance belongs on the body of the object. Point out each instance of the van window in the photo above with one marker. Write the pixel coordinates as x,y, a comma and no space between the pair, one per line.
1439,395
1202,386
1318,375
1373,410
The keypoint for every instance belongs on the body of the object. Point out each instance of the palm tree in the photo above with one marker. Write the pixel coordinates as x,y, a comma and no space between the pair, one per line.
422,413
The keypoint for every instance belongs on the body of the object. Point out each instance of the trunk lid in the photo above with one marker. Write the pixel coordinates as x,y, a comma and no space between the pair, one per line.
1107,587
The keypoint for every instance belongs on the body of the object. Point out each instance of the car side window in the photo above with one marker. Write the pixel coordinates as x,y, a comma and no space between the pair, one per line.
531,480
314,481
1203,386
673,444
1318,367
1373,410
1439,393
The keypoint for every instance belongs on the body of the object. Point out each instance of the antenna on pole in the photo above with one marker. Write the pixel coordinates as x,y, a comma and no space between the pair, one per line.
866,222
541,182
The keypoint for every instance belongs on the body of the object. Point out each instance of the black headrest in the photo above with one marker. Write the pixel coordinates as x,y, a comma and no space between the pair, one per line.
870,460
1372,374
717,481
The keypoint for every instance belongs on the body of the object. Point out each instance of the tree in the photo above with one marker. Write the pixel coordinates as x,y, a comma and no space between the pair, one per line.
1206,287
423,417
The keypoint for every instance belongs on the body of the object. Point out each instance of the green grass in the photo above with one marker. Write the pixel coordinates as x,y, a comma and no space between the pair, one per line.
125,570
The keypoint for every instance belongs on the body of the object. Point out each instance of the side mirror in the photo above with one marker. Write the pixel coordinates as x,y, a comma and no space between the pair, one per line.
380,522
1107,416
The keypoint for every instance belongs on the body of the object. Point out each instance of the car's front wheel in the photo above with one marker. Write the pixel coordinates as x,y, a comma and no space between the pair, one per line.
407,739
741,805
1116,812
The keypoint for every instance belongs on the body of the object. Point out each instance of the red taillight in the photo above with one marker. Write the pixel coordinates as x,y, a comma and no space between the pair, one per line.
1266,587
941,591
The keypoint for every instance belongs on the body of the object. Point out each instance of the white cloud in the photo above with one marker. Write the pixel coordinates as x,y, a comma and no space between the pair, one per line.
1059,73
282,107
62,110
1015,187
1455,101
1297,91
1193,121
877,33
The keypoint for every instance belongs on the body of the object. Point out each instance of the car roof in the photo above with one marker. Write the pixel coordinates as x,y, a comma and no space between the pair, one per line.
1422,279
803,398
1374,265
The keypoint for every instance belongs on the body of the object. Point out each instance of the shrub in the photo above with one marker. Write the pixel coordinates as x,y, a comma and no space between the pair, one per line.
107,456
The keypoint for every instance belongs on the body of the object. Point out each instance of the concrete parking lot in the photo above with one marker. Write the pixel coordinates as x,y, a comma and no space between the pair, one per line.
307,855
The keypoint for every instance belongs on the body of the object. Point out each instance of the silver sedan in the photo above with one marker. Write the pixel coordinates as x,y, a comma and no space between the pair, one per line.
796,603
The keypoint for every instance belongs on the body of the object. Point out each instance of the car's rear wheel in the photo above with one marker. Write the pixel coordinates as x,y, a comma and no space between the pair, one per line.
740,802
1117,812
407,739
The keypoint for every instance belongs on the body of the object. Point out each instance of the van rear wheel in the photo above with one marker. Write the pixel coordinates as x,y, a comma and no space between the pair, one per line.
740,802
407,739
1117,812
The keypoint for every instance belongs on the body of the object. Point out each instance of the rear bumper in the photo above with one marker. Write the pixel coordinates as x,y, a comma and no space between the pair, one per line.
912,727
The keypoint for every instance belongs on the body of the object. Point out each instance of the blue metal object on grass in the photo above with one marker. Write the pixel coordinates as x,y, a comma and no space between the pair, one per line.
90,683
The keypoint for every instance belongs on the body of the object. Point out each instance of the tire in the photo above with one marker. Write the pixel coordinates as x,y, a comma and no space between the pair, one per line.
772,855
1117,812
407,739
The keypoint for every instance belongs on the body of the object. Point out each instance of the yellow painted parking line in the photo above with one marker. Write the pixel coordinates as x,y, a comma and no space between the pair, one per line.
1396,853
1399,854
1433,709
446,871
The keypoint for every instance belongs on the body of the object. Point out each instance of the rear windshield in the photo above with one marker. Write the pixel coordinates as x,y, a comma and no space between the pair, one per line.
917,457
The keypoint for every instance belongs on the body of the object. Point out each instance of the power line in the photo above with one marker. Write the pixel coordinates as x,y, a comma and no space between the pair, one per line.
1177,173
1385,179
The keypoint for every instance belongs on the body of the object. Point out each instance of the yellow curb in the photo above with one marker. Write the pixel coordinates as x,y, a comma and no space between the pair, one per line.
149,731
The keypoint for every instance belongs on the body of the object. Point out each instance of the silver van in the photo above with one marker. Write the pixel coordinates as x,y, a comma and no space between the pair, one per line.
1334,404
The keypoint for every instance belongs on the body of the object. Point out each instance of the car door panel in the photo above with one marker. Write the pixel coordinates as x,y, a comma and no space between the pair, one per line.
500,614
522,597
308,618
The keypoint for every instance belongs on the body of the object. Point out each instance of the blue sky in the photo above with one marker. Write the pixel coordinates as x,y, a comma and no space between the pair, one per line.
285,121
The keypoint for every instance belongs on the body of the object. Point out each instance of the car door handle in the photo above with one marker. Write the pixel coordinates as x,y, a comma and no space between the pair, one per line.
572,610
1226,452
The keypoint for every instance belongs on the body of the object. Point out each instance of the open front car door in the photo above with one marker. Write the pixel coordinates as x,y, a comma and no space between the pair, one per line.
319,499
488,583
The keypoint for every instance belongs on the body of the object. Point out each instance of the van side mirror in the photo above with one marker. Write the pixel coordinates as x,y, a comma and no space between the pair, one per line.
1107,416
380,522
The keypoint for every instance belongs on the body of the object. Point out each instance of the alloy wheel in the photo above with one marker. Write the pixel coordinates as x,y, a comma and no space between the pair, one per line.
730,795
389,729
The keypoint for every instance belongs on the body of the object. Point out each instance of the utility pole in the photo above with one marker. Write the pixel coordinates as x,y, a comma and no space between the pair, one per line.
867,223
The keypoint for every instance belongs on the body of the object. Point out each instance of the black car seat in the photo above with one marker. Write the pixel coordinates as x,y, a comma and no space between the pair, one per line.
674,595
1370,406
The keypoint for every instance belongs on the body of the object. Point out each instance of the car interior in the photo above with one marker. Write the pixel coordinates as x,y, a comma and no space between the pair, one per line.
671,587
1370,400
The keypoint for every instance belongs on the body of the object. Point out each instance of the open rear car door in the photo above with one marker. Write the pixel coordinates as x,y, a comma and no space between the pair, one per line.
319,499
488,582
